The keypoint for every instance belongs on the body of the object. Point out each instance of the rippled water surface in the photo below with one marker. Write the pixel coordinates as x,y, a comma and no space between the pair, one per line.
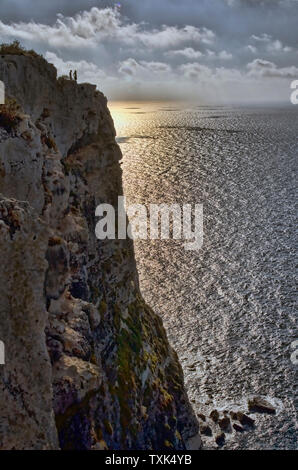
229,309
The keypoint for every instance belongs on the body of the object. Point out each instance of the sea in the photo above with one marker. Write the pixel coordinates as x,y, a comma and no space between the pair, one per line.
229,308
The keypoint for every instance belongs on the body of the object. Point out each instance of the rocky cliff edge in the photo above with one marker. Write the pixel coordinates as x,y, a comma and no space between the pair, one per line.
88,364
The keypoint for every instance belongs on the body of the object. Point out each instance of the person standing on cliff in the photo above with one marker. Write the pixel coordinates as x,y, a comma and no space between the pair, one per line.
70,75
75,75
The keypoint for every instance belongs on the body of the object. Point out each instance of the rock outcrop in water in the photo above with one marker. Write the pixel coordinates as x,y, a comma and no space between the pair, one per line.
88,364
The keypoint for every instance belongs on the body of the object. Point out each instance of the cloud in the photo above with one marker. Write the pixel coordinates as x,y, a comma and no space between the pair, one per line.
272,45
183,47
132,68
196,71
263,68
252,49
89,28
87,71
259,3
188,52
170,36
158,80
255,70
192,54
156,67
82,30
277,46
263,38
222,55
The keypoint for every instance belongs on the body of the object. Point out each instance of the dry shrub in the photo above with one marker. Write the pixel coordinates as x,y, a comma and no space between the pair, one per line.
15,48
9,115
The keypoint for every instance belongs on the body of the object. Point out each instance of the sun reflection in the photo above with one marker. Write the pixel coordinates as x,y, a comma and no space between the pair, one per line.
125,114
120,116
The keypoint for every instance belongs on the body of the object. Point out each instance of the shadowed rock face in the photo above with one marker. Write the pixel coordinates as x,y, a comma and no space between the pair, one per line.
88,364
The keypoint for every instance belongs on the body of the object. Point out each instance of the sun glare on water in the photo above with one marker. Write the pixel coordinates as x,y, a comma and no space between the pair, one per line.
127,115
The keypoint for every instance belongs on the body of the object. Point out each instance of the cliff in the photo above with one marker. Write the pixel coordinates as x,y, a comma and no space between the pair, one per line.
88,364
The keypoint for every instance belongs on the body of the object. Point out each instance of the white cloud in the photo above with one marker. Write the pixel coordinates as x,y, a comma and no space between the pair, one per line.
188,52
263,38
82,30
156,66
169,36
192,54
263,68
224,75
259,3
271,45
210,53
255,70
157,80
87,71
196,71
130,67
223,55
277,46
126,59
90,28
213,76
252,49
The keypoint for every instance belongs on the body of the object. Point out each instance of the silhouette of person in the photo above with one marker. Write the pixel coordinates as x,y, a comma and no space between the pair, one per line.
70,75
75,75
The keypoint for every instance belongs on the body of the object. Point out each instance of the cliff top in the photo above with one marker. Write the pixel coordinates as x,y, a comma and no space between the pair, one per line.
68,107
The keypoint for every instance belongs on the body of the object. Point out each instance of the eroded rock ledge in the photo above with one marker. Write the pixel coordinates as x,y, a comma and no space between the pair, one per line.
88,364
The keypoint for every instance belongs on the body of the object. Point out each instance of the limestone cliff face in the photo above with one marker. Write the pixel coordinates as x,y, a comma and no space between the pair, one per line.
88,364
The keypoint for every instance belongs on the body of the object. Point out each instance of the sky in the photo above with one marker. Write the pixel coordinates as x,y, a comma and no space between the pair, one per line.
203,51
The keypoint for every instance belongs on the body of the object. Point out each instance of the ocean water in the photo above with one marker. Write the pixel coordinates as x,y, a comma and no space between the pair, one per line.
229,309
